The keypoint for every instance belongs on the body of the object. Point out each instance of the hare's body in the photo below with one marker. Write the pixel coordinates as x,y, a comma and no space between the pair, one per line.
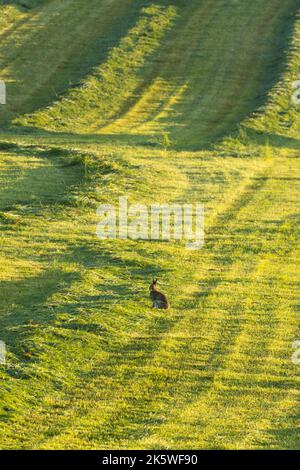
159,300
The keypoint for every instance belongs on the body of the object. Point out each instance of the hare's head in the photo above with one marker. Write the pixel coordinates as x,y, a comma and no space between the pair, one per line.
153,286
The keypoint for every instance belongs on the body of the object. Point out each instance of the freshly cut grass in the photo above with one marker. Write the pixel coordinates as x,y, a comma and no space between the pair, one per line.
177,96
9,14
280,101
102,95
23,3
79,37
212,53
90,364
12,11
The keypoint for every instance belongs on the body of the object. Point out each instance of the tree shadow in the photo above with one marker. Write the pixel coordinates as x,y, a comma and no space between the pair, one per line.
84,52
275,140
144,140
182,129
24,308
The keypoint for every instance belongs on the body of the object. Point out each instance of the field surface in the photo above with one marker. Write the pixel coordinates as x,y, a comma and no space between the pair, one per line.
162,101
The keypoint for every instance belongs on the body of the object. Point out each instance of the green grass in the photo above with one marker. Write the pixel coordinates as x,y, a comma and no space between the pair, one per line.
204,115
12,12
102,95
9,14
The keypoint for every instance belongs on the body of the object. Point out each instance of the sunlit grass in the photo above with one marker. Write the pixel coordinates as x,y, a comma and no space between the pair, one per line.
90,364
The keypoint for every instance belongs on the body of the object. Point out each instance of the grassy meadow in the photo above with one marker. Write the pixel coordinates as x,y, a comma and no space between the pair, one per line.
163,101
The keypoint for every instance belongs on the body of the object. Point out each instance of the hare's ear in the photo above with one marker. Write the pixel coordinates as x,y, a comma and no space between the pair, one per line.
155,281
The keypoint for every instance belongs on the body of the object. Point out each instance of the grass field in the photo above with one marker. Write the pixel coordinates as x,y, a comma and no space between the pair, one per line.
162,101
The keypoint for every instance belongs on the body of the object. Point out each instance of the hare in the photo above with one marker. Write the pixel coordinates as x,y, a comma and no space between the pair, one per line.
159,300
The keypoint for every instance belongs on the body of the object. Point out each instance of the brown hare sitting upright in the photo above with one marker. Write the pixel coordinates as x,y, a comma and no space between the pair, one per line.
159,300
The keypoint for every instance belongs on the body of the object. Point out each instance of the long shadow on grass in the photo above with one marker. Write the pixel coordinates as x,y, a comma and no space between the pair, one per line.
184,137
43,136
274,140
24,309
141,351
151,141
26,186
79,61
287,436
